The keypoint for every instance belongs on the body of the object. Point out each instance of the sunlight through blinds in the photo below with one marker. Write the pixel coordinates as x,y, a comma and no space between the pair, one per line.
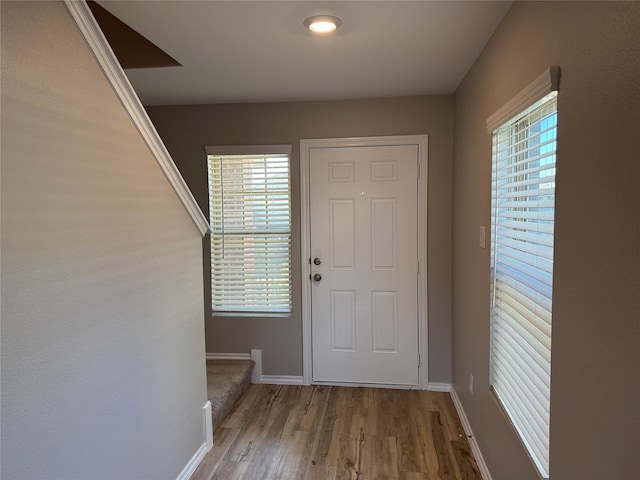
250,215
522,229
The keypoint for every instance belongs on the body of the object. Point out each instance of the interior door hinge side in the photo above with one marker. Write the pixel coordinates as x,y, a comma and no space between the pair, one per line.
418,359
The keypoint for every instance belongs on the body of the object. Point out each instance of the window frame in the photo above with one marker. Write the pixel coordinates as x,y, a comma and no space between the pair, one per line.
251,150
513,122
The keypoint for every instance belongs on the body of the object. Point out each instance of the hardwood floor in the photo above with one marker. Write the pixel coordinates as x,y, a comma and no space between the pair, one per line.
339,433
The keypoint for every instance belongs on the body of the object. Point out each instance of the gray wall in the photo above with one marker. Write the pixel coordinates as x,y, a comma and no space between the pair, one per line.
187,129
595,398
103,371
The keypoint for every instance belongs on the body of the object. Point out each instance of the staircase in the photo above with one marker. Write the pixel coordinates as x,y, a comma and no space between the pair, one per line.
226,381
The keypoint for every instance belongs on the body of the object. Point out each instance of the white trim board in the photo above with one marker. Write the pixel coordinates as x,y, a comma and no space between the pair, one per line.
305,146
118,80
368,385
438,387
193,464
281,380
475,448
208,425
247,149
547,82
228,356
197,458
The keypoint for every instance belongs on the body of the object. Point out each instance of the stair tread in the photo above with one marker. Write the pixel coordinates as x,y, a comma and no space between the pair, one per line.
226,381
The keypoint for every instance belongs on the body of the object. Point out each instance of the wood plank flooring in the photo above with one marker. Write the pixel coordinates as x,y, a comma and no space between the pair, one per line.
283,432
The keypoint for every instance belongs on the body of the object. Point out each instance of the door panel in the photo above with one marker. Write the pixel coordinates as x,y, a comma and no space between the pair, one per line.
363,216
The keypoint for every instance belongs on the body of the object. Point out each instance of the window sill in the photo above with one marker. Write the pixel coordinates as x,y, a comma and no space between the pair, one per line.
252,314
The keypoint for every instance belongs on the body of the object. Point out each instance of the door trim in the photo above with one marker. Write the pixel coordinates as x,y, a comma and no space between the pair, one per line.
421,141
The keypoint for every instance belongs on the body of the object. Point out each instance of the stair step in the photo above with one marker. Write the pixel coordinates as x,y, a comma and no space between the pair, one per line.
226,381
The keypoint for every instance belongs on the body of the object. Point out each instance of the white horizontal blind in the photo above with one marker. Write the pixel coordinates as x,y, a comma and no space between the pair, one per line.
250,214
522,215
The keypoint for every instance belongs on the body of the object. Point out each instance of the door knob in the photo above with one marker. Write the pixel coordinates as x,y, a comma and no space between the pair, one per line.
316,261
317,277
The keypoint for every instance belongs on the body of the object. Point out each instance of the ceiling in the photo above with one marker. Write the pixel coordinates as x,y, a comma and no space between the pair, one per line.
246,52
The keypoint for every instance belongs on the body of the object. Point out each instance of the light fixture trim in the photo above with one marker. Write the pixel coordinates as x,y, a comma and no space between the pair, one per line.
322,23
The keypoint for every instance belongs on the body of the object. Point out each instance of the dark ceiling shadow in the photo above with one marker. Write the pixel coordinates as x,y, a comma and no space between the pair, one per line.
132,49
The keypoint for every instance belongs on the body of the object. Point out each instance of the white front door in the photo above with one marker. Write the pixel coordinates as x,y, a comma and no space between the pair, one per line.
363,214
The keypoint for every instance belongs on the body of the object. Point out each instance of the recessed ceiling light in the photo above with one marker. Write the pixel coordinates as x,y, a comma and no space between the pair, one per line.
322,23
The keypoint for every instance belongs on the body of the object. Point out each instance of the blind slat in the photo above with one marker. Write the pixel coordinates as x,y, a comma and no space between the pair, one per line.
250,210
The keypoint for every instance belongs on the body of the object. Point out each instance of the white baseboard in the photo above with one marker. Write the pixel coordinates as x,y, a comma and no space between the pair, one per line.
193,464
475,449
228,356
282,379
438,387
188,470
366,385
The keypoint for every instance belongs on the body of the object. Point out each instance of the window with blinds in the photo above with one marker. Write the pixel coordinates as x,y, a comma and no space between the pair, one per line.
250,215
522,224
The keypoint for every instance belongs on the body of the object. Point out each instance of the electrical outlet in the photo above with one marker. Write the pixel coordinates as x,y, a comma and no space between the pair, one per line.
471,383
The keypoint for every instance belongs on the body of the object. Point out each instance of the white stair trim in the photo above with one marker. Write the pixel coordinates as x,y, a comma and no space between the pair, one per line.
475,448
208,425
228,356
118,80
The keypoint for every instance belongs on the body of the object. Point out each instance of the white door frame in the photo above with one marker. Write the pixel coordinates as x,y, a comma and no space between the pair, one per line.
305,146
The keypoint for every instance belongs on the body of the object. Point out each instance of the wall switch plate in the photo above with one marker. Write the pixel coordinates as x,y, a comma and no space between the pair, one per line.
471,383
482,238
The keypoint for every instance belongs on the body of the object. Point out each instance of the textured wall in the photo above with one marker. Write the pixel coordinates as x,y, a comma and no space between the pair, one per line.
187,129
103,371
595,399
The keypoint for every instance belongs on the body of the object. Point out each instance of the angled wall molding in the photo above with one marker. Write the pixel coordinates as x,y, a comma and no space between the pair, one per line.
114,73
